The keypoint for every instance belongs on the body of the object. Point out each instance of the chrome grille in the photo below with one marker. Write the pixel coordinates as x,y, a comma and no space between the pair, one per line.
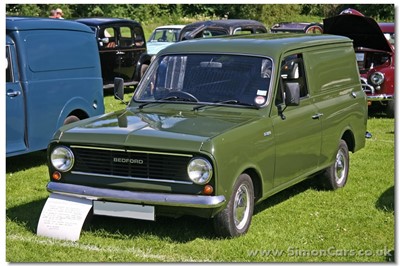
134,164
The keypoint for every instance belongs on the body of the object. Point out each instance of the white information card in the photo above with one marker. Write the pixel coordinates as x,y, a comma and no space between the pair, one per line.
63,216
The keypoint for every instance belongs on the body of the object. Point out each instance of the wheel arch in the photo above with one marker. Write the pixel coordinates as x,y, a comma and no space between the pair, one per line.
348,137
257,183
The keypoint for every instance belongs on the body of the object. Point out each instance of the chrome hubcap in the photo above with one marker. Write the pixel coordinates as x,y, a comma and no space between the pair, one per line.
340,167
241,207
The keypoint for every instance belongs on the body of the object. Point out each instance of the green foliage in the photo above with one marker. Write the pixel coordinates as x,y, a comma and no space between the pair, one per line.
180,13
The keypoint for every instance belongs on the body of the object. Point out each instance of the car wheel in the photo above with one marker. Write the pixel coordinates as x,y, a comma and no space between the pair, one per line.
70,119
143,70
336,175
390,109
235,219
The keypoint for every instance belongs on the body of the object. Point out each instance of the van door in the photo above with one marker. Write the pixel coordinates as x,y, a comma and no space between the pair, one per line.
297,129
15,108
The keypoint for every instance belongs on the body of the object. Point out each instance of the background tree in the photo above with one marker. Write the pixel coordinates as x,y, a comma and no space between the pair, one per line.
181,13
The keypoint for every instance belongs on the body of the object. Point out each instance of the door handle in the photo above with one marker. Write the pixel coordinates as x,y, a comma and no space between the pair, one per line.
317,116
11,93
354,95
120,53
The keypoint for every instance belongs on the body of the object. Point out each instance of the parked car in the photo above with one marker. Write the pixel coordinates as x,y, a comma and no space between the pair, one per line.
297,27
213,28
161,37
374,46
53,78
122,48
216,126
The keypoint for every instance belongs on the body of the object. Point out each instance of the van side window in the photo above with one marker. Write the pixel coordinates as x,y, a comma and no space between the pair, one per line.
292,70
9,73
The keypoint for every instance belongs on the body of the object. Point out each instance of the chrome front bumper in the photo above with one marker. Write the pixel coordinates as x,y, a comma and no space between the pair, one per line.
144,198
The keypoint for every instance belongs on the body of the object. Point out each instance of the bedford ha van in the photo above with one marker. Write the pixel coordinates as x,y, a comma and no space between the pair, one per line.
216,126
53,77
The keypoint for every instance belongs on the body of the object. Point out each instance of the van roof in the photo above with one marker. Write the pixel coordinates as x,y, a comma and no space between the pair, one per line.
254,44
105,21
34,23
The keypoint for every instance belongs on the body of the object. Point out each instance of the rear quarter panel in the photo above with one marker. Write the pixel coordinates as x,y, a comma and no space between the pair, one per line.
335,87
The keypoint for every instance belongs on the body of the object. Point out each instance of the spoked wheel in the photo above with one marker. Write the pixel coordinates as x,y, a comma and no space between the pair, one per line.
235,219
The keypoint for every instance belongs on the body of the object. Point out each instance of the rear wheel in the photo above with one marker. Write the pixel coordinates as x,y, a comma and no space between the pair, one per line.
70,119
235,219
336,175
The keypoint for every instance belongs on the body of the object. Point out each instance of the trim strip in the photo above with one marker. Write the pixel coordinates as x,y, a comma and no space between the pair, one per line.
134,178
125,150
145,198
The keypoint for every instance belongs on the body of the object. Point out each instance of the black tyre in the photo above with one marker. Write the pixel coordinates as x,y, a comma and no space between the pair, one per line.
235,219
390,109
143,70
70,119
336,175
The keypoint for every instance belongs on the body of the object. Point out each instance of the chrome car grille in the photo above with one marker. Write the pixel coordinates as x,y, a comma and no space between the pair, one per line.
131,164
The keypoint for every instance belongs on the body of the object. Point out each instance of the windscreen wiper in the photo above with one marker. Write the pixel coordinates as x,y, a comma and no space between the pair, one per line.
169,98
219,103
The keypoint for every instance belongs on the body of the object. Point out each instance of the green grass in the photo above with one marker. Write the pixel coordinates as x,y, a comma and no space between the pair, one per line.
300,224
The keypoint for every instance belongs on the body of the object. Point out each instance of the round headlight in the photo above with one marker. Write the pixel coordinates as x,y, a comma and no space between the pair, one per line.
199,170
377,78
62,158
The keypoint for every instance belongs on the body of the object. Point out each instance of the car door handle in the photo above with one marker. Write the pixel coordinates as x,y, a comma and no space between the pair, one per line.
120,53
317,116
11,93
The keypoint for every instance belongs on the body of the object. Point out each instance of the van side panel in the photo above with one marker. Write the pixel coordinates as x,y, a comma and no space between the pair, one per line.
338,95
59,74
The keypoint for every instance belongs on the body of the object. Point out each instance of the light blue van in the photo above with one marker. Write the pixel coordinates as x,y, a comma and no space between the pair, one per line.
53,77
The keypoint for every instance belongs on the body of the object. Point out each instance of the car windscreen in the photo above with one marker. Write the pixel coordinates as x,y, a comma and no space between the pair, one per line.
207,78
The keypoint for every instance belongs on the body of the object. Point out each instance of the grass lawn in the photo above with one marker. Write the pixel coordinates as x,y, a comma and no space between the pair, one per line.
300,224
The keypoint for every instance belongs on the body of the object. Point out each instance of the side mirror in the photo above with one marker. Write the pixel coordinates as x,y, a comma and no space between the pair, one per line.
292,93
119,88
104,40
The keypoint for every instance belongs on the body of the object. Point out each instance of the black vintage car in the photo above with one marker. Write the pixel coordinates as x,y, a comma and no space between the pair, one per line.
211,28
122,48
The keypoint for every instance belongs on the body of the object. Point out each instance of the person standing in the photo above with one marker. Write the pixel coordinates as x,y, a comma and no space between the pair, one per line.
53,13
59,13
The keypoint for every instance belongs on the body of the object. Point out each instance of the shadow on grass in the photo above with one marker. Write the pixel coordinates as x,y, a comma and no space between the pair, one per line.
284,195
386,201
26,161
181,229
27,214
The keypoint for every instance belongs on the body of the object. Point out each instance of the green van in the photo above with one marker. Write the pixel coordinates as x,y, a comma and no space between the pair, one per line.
216,126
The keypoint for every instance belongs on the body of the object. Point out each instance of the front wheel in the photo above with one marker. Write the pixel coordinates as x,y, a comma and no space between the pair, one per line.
143,70
235,219
336,175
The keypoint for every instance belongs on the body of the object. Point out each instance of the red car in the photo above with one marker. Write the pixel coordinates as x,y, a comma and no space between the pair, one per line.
374,46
